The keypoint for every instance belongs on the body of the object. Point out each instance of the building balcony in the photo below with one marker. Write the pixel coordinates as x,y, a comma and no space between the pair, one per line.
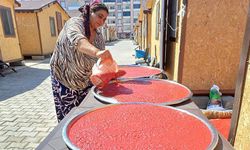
127,31
111,17
112,25
126,9
127,2
126,23
126,17
109,1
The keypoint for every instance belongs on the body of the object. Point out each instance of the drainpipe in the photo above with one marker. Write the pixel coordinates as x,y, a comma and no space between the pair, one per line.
162,37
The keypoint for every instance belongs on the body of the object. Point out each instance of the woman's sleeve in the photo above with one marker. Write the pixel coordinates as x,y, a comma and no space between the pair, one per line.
100,41
75,31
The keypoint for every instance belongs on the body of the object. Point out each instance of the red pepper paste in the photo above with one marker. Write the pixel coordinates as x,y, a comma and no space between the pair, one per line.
142,126
154,91
137,71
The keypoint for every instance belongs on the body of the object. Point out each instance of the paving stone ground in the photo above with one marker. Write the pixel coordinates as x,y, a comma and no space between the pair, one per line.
26,107
26,103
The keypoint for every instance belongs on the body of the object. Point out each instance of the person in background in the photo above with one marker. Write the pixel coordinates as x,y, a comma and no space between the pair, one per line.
79,45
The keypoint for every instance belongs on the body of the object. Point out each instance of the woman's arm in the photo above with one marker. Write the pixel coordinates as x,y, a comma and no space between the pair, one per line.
75,34
87,48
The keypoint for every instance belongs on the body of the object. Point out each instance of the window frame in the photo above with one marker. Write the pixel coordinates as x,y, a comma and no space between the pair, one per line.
59,24
10,24
109,1
54,26
136,6
126,13
157,21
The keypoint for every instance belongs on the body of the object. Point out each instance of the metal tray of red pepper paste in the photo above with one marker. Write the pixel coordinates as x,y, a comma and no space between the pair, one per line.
139,126
157,91
135,71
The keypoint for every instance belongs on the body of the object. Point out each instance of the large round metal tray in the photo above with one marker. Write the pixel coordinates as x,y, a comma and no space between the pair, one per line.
171,122
135,71
143,90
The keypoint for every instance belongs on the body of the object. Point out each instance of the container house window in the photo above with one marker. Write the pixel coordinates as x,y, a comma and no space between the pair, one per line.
7,21
157,29
59,22
52,26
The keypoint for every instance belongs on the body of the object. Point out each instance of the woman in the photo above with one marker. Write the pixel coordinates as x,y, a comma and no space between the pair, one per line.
77,49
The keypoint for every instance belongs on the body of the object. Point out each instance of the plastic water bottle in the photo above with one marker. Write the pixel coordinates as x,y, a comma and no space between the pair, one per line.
215,98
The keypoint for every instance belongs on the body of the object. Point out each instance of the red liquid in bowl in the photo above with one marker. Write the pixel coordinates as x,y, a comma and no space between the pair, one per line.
132,127
153,91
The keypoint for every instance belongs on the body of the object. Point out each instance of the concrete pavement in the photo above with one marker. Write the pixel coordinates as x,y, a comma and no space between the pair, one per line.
26,103
122,51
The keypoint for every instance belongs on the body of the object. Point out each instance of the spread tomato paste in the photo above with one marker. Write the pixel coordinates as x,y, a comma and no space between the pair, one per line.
154,91
137,71
139,126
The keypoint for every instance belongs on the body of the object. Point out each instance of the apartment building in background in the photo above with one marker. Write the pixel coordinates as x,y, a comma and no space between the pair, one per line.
71,6
123,15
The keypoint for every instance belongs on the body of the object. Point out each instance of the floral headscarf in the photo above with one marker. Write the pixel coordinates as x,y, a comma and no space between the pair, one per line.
94,2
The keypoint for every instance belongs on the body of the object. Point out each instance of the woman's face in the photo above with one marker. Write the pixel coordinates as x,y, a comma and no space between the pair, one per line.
98,18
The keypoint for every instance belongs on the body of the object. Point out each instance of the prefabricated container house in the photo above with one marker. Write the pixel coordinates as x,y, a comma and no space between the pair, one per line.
9,42
39,23
202,41
240,122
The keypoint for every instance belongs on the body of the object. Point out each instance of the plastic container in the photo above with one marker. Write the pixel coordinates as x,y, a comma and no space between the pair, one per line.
140,53
103,72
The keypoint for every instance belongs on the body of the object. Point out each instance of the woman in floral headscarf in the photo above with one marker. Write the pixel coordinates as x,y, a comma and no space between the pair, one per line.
79,45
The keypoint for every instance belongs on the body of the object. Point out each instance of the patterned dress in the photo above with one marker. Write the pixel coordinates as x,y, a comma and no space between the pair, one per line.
70,68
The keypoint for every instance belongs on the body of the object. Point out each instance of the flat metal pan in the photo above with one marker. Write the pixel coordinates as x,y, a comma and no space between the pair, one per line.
135,71
99,111
143,90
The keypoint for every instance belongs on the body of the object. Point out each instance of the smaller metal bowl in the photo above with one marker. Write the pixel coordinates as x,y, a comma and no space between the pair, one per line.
136,71
142,83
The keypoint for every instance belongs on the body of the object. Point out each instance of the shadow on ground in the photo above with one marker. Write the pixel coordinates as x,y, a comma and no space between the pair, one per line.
112,43
24,80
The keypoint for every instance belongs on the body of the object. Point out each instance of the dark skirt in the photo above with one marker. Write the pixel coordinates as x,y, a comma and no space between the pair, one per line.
65,98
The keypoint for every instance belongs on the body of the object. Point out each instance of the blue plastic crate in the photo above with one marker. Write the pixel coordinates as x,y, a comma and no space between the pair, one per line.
140,53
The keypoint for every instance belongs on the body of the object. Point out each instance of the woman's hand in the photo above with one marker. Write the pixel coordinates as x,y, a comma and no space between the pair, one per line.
105,55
